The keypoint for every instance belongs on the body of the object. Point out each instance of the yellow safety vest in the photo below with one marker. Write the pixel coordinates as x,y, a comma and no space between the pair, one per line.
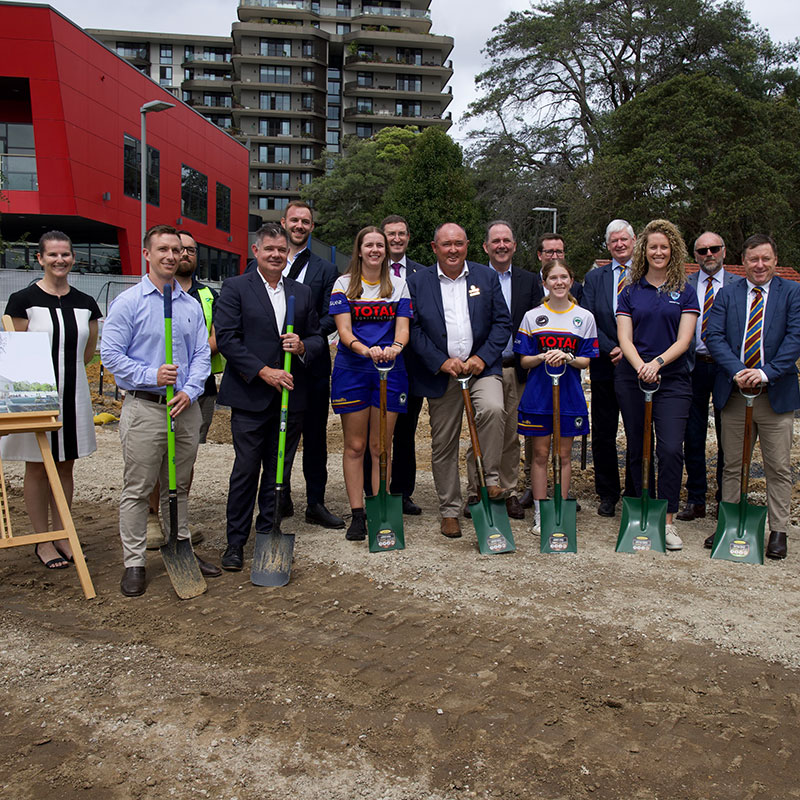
207,302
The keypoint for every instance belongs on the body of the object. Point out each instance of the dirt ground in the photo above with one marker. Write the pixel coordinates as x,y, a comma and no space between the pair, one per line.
432,672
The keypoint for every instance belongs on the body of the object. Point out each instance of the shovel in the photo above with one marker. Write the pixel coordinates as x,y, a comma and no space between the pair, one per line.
558,516
489,517
740,526
384,510
644,520
179,558
272,554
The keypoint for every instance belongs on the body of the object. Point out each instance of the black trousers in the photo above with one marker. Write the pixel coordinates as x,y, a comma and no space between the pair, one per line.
315,438
605,420
670,411
255,444
404,455
694,446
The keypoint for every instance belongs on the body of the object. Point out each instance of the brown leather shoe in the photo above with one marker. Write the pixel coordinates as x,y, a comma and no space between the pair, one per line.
495,492
451,527
691,511
515,510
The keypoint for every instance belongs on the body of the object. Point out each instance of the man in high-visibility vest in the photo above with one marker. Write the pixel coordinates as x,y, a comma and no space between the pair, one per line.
206,296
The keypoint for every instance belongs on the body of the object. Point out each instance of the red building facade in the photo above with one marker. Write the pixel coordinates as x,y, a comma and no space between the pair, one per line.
70,131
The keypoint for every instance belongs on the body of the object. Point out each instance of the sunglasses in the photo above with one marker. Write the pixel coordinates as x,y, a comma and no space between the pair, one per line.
704,251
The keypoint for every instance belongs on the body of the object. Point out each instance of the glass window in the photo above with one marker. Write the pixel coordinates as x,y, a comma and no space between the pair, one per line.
273,154
194,194
305,178
364,105
273,180
188,52
409,55
276,47
132,50
365,52
342,27
274,127
307,101
409,83
406,109
165,76
363,130
308,48
131,179
223,207
306,154
275,101
270,74
272,203
308,75
332,140
365,79
306,127
166,54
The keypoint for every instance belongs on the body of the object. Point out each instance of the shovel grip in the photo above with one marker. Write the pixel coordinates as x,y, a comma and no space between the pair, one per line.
647,441
473,431
556,428
383,459
747,447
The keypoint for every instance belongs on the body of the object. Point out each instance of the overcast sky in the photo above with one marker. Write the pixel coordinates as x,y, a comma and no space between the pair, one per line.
470,24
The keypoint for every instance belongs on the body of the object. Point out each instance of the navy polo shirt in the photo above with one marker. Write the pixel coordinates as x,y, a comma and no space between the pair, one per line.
656,316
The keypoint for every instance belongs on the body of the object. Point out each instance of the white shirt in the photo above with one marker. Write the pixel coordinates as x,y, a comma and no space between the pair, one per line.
290,260
278,299
505,288
750,298
456,313
702,279
402,262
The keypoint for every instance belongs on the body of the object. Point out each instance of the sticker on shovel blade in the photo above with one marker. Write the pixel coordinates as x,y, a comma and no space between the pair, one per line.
497,542
642,543
739,548
558,541
385,538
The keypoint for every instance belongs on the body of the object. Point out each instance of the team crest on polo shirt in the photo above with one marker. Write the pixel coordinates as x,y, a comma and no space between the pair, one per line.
577,322
542,319
675,295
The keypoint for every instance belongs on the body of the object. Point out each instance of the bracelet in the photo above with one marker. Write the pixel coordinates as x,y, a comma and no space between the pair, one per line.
350,346
399,344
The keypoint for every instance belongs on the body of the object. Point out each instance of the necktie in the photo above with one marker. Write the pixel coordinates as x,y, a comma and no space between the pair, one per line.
396,267
299,263
752,337
621,280
707,303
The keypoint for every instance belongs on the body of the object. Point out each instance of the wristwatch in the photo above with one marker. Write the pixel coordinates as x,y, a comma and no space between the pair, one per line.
660,361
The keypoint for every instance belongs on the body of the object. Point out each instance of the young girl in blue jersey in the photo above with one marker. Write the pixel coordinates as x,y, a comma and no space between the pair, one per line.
372,310
553,334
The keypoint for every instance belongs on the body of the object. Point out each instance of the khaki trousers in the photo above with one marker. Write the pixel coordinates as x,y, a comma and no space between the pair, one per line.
446,413
774,433
143,431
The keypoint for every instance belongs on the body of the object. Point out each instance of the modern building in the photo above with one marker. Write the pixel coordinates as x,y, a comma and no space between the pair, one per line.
303,74
70,150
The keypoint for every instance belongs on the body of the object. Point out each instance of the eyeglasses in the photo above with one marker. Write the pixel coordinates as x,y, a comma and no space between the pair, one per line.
552,253
192,250
704,251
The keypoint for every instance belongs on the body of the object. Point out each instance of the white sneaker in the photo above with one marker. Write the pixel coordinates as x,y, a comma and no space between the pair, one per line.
536,528
673,540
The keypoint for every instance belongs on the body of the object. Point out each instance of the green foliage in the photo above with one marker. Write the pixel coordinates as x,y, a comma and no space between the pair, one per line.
32,386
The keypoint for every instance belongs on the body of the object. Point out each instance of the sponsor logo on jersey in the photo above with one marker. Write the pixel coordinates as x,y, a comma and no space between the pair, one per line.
557,341
373,311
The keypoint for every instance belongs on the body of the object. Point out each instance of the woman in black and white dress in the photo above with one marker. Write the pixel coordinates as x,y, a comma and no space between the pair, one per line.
69,317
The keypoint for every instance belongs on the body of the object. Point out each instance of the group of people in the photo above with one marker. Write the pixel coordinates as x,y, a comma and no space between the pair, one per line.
637,322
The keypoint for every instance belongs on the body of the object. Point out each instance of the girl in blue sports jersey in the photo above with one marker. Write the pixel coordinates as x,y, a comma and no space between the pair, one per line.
553,334
372,309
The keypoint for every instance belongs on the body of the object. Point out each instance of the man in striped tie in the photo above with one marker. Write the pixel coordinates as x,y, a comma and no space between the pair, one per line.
753,334
709,253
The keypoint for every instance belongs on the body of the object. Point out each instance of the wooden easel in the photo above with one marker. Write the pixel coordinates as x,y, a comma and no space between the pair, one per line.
40,422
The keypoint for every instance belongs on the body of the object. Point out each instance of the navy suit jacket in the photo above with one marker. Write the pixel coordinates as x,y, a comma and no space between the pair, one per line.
489,318
598,286
781,341
248,337
727,278
526,293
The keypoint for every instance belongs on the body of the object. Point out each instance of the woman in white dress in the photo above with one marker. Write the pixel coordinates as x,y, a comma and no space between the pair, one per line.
69,317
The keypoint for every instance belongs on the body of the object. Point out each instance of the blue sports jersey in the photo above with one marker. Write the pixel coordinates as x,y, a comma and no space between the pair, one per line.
572,331
372,319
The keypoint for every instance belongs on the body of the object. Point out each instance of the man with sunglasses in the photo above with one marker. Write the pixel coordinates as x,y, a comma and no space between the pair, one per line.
709,253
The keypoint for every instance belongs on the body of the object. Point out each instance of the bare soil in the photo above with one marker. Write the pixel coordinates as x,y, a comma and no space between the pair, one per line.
433,672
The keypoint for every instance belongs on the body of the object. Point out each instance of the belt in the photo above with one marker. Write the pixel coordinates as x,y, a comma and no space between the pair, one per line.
151,397
510,361
704,357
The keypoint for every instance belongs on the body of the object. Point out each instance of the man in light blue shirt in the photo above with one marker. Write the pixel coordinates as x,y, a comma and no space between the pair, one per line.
132,348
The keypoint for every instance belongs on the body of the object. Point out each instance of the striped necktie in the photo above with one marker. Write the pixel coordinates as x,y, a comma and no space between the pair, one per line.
623,272
752,337
707,303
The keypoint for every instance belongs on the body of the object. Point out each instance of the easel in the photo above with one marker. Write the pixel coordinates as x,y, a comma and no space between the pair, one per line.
40,422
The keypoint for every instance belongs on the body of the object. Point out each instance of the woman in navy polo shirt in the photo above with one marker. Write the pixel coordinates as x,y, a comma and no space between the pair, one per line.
656,316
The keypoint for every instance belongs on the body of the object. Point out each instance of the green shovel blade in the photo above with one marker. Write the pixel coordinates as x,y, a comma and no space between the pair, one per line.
740,533
643,526
558,524
385,521
492,525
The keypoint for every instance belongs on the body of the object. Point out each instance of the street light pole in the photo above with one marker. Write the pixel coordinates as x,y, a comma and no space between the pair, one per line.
554,212
152,106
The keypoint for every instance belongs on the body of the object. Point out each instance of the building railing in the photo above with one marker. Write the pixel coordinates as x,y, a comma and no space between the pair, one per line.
314,8
18,173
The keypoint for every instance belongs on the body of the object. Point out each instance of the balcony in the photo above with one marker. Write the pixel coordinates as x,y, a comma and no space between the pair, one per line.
352,89
378,63
18,173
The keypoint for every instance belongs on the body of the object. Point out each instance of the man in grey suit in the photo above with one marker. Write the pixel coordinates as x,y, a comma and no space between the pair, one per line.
709,253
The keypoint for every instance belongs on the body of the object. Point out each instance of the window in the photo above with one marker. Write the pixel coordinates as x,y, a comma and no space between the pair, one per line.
186,96
364,79
365,52
221,122
274,127
409,83
131,180
272,203
269,74
276,47
223,207
273,180
332,141
194,194
409,55
364,105
18,157
342,27
273,154
275,101
307,101
165,76
305,178
306,127
363,131
405,109
308,48
307,75
216,265
306,154
334,88
132,50
342,8
166,54
216,54
334,113
188,52
221,100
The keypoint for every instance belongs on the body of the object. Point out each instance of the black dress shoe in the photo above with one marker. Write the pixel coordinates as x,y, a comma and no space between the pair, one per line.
471,500
206,569
526,501
287,506
514,509
692,511
776,547
410,507
607,508
709,542
317,514
133,582
232,559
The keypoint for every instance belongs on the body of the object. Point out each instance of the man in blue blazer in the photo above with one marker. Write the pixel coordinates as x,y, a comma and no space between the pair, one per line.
753,334
250,323
461,325
709,253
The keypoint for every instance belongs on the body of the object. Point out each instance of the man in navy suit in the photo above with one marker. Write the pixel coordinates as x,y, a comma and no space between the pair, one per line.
600,289
404,457
522,292
709,253
753,334
250,322
461,325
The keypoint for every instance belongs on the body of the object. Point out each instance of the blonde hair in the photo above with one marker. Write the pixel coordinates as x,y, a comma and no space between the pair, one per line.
548,267
676,268
355,290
